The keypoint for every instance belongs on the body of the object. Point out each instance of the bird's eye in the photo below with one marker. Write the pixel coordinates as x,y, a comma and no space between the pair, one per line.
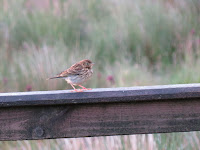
85,64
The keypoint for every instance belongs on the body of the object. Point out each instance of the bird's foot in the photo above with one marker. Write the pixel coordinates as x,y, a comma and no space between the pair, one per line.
84,88
78,90
87,89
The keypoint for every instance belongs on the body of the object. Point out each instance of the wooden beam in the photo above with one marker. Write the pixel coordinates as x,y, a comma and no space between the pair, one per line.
103,95
100,112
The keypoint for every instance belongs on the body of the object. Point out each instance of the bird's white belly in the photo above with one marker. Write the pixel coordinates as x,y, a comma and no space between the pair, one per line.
79,79
75,79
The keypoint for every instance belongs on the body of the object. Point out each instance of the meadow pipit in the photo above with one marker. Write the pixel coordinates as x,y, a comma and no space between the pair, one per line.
77,74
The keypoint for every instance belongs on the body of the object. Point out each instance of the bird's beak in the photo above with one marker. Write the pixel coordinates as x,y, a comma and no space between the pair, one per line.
93,64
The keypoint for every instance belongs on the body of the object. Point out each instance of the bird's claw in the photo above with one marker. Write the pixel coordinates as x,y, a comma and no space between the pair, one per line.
78,90
81,90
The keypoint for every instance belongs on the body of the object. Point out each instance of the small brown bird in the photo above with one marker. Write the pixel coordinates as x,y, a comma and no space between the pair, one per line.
77,74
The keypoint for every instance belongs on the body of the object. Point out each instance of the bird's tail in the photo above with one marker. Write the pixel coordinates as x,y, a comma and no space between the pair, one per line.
54,77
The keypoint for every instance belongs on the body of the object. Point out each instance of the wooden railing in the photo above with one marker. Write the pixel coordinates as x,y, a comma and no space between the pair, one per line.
99,112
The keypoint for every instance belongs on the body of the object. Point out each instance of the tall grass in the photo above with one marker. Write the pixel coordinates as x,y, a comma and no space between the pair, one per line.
131,42
140,29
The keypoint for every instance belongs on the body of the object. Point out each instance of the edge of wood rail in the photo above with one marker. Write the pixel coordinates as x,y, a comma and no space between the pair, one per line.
101,95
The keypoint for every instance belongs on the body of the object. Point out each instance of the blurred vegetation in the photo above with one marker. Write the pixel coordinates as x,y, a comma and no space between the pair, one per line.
132,43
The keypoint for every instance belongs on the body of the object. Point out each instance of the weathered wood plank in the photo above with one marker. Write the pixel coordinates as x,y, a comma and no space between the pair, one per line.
121,111
103,95
20,123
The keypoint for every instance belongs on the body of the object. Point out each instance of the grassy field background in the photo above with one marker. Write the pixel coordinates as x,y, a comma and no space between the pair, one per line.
132,43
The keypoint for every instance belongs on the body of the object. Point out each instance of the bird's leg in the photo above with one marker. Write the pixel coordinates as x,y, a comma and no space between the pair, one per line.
76,90
84,87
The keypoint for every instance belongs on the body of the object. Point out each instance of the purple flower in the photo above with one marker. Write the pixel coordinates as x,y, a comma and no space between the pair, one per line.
28,88
192,31
111,79
5,80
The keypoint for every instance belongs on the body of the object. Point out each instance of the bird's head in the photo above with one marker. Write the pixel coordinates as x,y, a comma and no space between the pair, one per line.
86,63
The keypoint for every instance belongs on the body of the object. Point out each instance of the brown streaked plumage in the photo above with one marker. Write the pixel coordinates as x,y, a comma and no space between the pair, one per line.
77,74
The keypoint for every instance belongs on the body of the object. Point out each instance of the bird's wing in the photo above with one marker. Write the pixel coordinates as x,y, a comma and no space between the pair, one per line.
73,70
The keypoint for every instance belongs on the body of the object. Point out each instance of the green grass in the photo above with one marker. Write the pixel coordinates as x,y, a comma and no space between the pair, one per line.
132,44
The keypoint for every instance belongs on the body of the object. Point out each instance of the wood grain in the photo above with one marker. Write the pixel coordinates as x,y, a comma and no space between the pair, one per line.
100,118
21,123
